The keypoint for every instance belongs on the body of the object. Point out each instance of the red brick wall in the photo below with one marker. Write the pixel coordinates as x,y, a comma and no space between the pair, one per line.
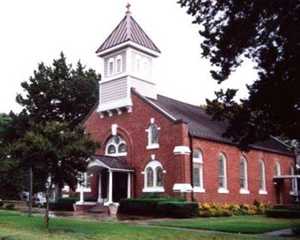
132,126
211,151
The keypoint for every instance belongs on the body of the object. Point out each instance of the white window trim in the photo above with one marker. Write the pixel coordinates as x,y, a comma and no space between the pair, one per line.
151,146
199,189
200,161
225,188
245,190
116,146
119,57
109,73
263,190
278,169
153,165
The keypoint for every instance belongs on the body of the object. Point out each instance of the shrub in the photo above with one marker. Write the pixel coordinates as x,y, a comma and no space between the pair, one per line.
282,213
158,207
63,204
177,209
10,206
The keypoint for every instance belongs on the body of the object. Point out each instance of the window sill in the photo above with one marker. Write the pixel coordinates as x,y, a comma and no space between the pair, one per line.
84,189
262,192
117,155
153,146
154,189
223,190
198,189
244,191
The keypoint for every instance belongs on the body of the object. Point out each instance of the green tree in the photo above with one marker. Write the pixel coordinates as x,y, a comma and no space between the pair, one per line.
268,33
60,92
57,153
10,178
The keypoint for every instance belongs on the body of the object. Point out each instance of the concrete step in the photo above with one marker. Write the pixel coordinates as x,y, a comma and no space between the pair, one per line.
99,208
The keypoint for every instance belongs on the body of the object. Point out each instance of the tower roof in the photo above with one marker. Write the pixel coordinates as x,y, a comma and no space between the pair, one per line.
128,30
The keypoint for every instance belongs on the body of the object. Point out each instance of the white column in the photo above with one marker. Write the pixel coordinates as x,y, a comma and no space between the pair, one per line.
296,189
100,200
110,187
81,195
129,185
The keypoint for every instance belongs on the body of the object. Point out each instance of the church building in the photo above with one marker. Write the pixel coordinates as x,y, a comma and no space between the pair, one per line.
154,144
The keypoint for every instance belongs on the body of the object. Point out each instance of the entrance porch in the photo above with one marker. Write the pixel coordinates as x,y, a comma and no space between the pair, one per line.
114,181
294,191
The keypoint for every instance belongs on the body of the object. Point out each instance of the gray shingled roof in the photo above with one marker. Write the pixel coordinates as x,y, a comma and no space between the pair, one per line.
113,162
128,30
201,125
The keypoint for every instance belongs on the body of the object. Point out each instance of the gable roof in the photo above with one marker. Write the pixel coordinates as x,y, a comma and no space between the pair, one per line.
201,125
128,30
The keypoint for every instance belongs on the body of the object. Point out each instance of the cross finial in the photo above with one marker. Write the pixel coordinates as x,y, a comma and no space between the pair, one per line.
128,6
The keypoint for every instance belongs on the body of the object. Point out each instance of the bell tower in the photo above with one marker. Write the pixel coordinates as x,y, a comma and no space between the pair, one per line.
128,55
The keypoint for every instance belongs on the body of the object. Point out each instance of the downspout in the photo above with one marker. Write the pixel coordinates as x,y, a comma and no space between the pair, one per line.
191,165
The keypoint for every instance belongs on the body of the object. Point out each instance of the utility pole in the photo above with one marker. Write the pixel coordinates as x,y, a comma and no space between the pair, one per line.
30,192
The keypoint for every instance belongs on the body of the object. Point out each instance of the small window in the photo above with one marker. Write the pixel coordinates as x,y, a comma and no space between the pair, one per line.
153,135
153,177
277,169
116,146
122,148
119,64
222,174
150,177
243,176
111,66
262,177
111,149
159,177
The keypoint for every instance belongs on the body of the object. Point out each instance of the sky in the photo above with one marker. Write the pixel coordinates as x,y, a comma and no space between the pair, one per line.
35,31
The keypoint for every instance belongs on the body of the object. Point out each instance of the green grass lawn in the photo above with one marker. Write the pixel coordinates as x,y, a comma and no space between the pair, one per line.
235,224
15,226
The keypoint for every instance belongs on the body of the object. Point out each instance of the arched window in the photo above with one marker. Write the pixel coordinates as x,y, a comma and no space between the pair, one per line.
116,146
198,171
150,177
153,177
262,178
243,176
111,66
277,169
159,176
153,135
119,64
222,162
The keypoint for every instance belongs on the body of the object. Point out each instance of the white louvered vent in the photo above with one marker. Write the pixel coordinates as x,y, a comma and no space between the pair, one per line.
113,90
114,94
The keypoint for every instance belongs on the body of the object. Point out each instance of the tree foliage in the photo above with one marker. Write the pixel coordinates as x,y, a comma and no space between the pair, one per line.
56,152
60,92
268,33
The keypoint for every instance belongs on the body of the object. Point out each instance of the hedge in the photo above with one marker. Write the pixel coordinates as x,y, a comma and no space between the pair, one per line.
158,207
63,204
283,213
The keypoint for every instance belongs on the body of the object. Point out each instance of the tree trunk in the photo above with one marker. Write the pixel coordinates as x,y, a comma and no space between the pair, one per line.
30,192
46,217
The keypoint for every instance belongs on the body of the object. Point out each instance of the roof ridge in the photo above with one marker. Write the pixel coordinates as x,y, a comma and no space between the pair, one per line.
128,30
